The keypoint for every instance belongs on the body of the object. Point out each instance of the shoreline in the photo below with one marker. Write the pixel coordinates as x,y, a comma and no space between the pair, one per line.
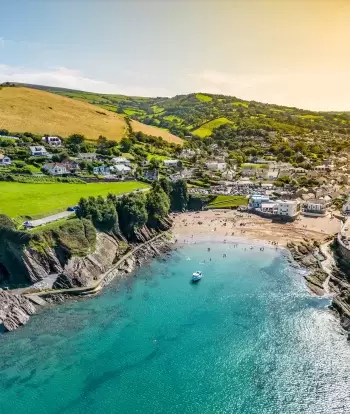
308,254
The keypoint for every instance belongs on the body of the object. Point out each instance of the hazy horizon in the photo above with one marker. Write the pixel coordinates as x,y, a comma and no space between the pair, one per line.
286,52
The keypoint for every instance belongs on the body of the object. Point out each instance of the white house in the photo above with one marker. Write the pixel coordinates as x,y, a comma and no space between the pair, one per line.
38,151
189,153
87,156
314,208
4,160
121,160
172,163
120,170
289,208
55,168
52,141
216,166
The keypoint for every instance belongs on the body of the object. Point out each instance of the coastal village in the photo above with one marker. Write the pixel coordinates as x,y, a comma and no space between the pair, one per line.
266,187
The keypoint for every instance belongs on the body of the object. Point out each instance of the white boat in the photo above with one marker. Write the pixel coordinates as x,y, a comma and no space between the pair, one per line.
197,276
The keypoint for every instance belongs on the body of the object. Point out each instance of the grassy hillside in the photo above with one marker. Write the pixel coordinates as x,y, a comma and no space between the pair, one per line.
184,115
206,129
37,111
40,200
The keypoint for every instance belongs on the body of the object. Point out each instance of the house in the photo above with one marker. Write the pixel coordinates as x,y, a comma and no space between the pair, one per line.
120,170
173,163
38,151
314,208
324,168
101,170
52,141
216,166
151,175
289,208
346,208
55,168
4,160
87,156
272,174
189,153
121,160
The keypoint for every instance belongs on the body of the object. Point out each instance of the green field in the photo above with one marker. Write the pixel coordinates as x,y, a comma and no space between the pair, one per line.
40,200
228,201
245,105
173,118
203,98
207,129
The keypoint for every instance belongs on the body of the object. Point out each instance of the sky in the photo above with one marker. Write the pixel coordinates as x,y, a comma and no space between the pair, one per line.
288,52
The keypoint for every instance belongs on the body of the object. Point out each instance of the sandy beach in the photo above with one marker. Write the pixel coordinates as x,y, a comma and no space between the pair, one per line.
229,225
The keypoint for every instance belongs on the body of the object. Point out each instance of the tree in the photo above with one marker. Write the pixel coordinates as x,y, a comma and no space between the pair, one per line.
154,164
179,196
75,142
158,204
125,144
166,185
132,213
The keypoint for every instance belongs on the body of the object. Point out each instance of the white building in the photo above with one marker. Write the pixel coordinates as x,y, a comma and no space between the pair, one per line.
289,208
87,156
55,168
121,160
52,141
120,170
172,163
216,166
4,160
189,153
314,208
38,151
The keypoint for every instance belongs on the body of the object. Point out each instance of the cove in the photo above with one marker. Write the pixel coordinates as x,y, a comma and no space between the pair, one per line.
248,338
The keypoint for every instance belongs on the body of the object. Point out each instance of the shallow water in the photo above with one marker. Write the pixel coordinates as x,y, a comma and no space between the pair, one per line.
248,338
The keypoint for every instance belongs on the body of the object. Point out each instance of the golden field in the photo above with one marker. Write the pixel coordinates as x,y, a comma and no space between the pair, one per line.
30,110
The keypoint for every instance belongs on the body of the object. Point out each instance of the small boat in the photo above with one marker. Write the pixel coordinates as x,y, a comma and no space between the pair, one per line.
196,276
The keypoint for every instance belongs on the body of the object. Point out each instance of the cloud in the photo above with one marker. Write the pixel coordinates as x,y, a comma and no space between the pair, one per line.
74,79
317,90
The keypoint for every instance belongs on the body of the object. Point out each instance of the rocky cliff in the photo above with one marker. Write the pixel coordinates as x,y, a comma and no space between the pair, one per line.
14,310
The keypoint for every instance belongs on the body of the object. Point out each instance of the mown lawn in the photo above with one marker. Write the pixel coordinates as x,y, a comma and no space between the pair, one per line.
228,201
40,200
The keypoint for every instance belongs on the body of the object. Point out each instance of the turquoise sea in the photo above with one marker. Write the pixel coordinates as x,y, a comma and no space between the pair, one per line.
248,338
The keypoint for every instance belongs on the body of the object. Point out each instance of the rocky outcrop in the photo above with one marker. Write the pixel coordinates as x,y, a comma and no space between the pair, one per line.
82,271
40,265
308,254
14,310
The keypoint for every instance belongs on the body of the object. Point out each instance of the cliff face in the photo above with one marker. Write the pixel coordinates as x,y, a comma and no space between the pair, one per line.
14,310
81,271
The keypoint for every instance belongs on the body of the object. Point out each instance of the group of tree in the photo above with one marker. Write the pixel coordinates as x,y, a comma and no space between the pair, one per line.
127,214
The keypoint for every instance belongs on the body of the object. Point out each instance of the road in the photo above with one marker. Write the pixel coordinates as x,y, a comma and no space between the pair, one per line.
50,219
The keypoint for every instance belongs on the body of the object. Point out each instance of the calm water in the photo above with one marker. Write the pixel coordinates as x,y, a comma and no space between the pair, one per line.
247,339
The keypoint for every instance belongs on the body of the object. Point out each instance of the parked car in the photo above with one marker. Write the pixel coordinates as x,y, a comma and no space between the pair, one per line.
73,208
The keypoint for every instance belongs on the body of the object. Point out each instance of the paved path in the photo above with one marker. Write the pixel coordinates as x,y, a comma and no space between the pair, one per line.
50,219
